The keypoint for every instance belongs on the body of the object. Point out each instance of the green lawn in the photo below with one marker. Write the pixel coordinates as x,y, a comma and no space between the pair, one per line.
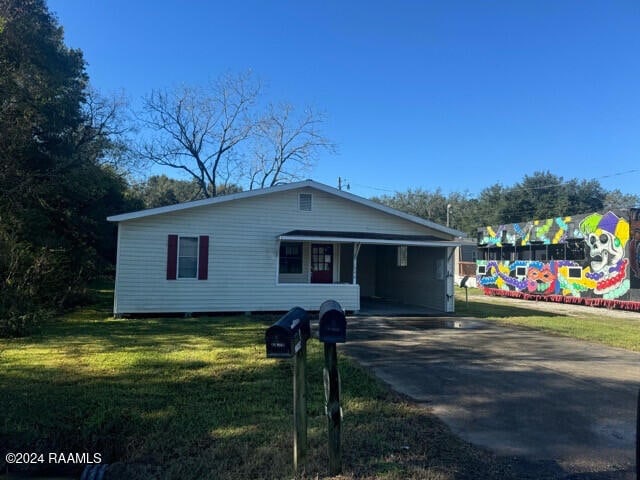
595,327
196,398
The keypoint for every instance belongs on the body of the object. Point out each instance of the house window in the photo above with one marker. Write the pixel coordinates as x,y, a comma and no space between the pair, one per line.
304,202
188,257
402,256
291,257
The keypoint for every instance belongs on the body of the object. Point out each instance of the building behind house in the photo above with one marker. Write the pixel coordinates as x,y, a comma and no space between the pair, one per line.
594,257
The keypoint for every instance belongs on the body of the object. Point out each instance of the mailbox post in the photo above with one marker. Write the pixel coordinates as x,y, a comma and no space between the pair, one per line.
285,339
332,329
464,285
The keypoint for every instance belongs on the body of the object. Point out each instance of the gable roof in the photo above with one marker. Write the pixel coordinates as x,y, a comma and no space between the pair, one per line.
284,188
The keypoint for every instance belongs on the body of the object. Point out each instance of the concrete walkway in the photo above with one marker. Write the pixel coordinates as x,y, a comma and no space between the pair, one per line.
518,392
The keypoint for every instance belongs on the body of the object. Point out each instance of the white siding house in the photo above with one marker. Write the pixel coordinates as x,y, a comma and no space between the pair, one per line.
269,250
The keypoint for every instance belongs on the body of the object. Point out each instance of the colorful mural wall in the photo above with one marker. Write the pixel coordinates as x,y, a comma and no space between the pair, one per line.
611,257
634,248
545,232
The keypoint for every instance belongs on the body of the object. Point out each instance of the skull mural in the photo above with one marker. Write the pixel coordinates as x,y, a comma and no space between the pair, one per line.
606,237
605,251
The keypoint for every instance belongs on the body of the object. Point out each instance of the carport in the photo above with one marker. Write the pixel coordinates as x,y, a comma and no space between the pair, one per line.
410,270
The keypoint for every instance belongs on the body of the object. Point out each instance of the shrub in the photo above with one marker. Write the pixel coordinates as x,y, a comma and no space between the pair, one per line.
34,283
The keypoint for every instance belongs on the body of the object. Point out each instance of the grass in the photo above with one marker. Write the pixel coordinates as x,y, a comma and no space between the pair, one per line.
195,398
596,327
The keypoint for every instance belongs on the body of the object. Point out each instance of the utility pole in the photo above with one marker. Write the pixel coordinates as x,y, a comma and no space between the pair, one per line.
343,182
448,213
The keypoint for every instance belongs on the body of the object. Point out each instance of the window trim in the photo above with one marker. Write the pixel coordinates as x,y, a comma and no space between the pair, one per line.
203,256
283,246
402,256
197,257
310,196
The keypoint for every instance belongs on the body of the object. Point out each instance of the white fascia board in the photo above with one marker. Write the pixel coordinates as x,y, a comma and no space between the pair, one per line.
283,188
370,241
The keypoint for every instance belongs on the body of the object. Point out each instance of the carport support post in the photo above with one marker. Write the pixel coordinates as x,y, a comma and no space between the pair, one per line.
356,250
300,405
334,413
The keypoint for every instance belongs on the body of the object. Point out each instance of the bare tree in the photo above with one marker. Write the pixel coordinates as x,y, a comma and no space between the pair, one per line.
198,130
286,145
104,135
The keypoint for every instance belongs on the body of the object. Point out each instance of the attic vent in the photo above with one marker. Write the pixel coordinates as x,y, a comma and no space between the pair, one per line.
304,202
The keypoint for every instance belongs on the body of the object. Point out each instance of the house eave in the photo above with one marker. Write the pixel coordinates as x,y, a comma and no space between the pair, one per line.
283,188
370,241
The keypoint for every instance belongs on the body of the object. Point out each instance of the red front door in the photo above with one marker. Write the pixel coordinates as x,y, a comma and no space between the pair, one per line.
321,263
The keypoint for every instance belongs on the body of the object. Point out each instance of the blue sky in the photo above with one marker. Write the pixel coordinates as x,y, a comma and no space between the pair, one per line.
456,95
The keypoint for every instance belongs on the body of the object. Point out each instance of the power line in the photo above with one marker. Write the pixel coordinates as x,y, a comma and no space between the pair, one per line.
540,187
574,180
375,188
523,213
550,185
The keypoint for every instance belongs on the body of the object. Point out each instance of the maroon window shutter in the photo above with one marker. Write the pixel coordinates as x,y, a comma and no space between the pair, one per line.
172,257
203,257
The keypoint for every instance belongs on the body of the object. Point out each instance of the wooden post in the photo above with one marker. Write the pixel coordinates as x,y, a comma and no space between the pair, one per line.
300,405
334,414
356,250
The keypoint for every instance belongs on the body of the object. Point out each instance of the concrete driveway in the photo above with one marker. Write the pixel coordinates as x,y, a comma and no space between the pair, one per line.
542,398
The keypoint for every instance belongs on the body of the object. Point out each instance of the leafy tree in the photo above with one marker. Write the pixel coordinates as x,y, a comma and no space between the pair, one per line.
419,202
491,205
160,191
616,199
433,206
537,196
52,181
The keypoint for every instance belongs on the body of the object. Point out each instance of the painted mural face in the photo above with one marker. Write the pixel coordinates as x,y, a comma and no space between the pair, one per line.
605,251
540,280
607,236
610,254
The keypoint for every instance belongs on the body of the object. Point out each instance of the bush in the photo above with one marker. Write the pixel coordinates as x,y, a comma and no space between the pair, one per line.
35,283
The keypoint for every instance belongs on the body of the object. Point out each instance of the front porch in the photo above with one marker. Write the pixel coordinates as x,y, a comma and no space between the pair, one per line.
402,273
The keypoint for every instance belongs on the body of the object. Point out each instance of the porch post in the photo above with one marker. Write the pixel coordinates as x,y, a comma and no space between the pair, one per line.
356,250
450,292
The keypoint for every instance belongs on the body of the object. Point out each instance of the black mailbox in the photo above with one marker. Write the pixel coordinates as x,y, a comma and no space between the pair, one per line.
284,338
333,324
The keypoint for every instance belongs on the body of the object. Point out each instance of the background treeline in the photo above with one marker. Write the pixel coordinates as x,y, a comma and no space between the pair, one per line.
537,196
55,187
71,156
